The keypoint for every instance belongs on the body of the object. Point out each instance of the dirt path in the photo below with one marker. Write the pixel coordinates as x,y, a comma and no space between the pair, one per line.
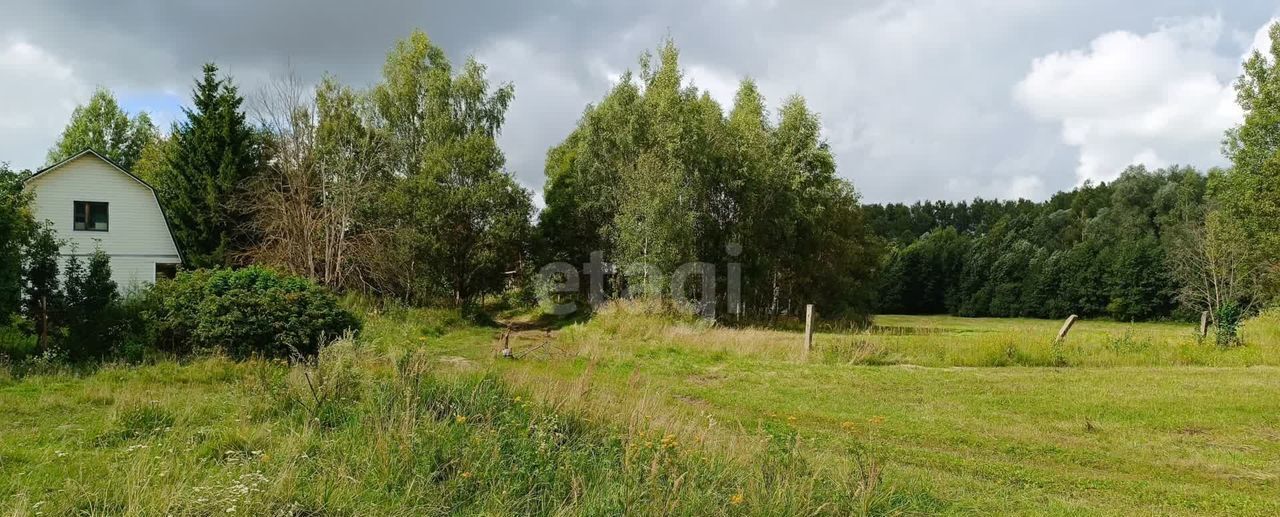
529,339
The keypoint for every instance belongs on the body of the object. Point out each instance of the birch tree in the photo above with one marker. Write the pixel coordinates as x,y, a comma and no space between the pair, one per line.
309,204
1220,271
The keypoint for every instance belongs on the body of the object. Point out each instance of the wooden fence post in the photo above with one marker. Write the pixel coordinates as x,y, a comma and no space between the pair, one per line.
1066,327
1204,324
808,328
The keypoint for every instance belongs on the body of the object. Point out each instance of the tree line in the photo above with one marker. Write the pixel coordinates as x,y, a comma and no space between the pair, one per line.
1168,243
1096,251
400,190
657,174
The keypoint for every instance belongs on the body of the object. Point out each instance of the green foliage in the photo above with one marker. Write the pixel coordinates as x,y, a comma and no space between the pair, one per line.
43,300
16,227
1256,140
16,341
1249,193
154,160
656,174
916,279
93,316
101,125
74,314
213,155
246,312
1096,251
1227,320
459,220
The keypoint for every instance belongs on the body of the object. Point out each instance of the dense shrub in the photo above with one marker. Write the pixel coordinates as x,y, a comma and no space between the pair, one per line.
92,315
1227,320
16,227
74,314
246,312
16,342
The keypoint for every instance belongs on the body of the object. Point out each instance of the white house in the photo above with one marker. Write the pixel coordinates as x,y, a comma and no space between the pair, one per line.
95,204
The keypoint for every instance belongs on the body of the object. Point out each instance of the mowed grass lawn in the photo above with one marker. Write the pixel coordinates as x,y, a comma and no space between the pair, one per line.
958,416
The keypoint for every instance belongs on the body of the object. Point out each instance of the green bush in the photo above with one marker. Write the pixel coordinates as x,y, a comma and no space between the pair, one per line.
16,342
1228,318
246,312
91,309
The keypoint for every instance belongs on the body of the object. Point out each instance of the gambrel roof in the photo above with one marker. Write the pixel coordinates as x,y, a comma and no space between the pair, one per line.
122,170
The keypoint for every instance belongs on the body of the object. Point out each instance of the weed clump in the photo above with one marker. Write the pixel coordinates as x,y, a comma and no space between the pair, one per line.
137,422
855,350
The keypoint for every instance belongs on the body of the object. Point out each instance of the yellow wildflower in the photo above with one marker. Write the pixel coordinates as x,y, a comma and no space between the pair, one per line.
466,475
736,499
460,419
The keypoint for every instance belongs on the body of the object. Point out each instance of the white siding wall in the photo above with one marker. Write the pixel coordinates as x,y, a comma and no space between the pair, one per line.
137,237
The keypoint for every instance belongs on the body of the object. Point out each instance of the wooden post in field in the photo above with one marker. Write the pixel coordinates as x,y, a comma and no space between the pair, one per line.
1204,324
1066,327
808,328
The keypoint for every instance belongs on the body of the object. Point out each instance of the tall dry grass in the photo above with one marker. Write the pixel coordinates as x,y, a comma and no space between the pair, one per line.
372,427
622,329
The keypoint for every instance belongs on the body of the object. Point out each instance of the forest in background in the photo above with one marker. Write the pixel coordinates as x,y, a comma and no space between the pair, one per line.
1153,244
1100,250
400,191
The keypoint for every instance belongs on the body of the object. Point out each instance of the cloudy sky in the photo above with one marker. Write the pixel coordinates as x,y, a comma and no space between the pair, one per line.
921,99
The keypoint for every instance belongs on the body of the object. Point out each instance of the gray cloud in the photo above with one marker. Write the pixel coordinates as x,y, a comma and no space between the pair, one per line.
918,96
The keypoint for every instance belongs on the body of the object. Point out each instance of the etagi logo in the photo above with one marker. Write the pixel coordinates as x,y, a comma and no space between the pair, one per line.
640,278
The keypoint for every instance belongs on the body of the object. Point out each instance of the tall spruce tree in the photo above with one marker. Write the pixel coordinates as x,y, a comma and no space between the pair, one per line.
213,155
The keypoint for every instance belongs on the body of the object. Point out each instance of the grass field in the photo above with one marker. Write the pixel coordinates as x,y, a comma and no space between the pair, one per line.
969,414
634,412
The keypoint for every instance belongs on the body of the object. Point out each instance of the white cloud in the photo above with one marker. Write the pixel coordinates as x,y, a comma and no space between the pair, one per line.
1024,187
904,91
38,93
723,86
1261,41
1157,98
1003,187
548,98
914,94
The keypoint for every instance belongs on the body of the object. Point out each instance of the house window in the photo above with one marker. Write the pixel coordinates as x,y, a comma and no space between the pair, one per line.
166,271
90,216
